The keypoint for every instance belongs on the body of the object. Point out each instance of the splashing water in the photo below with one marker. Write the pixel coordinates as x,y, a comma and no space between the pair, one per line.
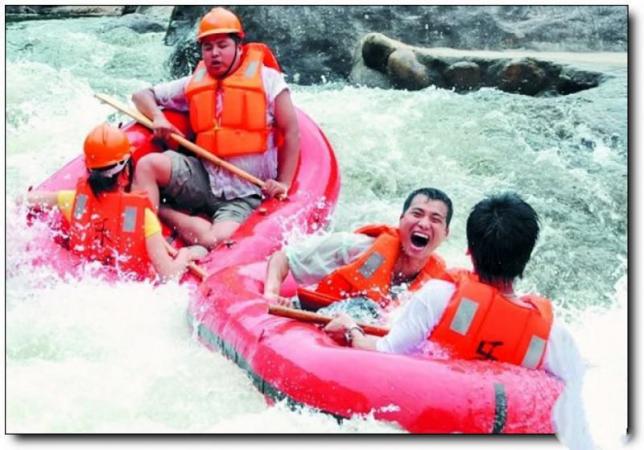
89,356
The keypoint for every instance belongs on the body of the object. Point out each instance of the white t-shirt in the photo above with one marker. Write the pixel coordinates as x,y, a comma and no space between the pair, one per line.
317,256
562,359
264,166
313,258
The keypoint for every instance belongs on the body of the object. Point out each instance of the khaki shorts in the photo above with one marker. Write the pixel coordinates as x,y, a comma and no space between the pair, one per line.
189,190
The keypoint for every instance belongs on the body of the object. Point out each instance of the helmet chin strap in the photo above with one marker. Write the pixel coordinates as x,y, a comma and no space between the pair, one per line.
232,63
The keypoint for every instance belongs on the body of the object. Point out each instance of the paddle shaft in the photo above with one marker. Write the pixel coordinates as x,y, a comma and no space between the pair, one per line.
202,152
308,316
197,270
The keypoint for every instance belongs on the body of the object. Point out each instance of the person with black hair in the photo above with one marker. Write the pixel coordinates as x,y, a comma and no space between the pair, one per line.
107,222
478,315
375,262
240,110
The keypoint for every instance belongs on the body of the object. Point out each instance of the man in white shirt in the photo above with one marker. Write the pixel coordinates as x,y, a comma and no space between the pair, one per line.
371,264
479,316
240,110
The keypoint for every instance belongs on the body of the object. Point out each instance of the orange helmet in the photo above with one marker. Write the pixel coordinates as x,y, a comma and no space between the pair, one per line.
105,146
219,21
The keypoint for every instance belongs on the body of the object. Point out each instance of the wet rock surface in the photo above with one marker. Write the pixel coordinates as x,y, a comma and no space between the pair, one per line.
413,68
317,43
140,23
338,43
31,12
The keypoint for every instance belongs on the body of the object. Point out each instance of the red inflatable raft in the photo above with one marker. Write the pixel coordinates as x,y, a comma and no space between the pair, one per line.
296,361
313,195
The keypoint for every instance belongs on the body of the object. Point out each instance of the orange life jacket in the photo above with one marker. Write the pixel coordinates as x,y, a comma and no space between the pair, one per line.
110,228
480,323
371,274
241,128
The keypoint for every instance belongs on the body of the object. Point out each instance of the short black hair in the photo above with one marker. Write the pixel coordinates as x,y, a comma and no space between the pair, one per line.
236,37
98,183
432,194
502,231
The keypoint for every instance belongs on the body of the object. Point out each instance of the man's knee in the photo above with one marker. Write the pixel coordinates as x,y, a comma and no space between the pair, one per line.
219,232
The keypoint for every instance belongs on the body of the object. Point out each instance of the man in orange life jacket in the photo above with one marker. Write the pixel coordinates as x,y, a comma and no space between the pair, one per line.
373,262
478,315
106,222
240,110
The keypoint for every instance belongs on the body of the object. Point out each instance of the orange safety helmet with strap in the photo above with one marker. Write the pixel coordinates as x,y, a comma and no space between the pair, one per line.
480,323
219,21
105,146
241,127
371,273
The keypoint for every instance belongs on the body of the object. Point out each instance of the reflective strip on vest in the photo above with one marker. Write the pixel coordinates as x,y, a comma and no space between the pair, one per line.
81,206
200,74
534,353
129,219
464,316
250,70
371,265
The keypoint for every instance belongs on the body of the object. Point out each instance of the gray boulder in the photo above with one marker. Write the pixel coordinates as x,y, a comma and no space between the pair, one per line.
15,13
414,68
463,76
315,43
406,72
138,22
523,76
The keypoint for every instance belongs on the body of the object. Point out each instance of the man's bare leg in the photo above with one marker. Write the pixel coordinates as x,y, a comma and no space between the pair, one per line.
197,230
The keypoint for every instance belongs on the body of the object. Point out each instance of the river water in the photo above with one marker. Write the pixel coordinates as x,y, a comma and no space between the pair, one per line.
87,357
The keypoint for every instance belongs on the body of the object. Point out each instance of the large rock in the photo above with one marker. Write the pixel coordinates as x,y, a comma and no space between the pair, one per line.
61,12
316,43
463,76
571,81
138,22
406,72
162,13
375,50
414,68
139,18
369,77
523,76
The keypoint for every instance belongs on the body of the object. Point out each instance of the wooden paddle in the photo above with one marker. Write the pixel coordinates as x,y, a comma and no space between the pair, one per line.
197,270
202,152
308,316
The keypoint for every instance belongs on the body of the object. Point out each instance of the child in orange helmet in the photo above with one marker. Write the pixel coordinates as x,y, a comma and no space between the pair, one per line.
108,223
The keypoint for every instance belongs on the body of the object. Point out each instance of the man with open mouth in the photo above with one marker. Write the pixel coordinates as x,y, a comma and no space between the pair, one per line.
375,262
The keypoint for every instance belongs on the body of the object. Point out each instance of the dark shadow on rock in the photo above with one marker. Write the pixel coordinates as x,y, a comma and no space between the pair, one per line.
463,76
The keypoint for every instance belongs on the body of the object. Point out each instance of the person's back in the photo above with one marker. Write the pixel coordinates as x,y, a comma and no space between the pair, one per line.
109,227
105,222
485,319
477,315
